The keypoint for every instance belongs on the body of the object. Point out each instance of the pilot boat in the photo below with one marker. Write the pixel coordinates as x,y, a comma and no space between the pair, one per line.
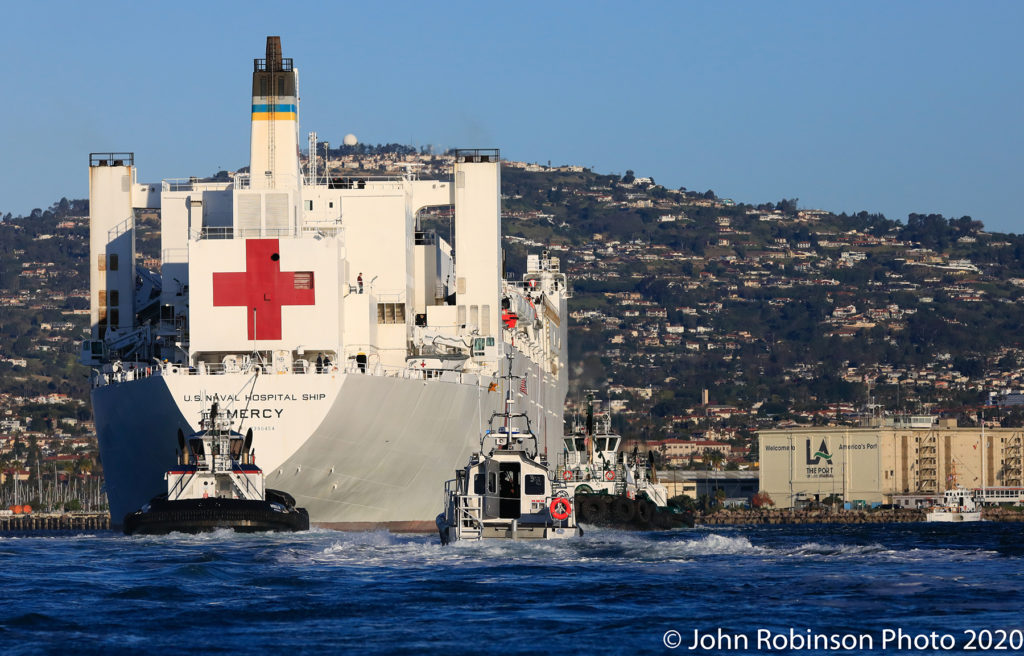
216,484
506,491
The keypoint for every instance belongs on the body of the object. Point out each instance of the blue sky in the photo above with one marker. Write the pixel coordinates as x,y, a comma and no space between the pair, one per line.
890,107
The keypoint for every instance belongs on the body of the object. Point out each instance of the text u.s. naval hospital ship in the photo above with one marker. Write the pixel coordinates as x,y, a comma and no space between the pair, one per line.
363,352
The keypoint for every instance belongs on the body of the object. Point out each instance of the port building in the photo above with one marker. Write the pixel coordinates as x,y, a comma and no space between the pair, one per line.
897,460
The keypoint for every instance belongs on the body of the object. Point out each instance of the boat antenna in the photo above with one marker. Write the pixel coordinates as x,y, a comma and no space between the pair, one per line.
508,402
248,398
590,412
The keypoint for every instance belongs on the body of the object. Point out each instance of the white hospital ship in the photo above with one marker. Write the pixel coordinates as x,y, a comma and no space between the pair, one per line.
363,352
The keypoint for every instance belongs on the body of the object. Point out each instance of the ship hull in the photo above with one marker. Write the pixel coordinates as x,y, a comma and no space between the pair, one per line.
357,451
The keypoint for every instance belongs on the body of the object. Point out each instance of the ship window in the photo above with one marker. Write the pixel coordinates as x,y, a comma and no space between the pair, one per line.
599,444
490,341
478,483
492,482
478,346
280,85
309,205
101,262
303,280
534,484
115,318
115,296
263,86
113,261
103,299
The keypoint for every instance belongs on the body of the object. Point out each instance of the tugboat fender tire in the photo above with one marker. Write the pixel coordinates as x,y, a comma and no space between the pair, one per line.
589,509
645,511
624,510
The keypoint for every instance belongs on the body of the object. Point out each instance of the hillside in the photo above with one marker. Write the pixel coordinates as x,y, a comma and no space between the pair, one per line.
780,313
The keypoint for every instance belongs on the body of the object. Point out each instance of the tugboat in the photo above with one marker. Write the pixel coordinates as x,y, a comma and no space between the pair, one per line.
506,491
216,484
611,488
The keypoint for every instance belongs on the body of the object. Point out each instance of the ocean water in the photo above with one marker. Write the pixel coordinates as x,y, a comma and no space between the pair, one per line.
610,592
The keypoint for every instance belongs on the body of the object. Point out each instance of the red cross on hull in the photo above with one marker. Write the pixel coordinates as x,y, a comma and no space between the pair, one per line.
262,288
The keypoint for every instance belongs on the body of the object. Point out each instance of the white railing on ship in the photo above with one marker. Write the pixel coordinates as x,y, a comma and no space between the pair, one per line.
230,232
121,228
174,256
128,372
190,184
179,487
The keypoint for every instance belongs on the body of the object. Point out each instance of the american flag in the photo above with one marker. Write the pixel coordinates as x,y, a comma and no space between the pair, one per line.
522,385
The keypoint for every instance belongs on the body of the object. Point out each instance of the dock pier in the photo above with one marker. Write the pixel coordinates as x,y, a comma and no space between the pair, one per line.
55,522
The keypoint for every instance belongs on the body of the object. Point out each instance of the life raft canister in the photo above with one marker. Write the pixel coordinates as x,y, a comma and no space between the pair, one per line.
509,318
560,508
609,475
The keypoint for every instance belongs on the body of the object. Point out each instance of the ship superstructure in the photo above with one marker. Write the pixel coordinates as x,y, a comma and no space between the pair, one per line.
362,350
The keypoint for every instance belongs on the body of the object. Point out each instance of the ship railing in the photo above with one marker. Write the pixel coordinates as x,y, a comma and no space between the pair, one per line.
124,226
230,232
127,372
323,230
179,487
194,184
579,471
470,512
111,159
246,486
174,256
425,373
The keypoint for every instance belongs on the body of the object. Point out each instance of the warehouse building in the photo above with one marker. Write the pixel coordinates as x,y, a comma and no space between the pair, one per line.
900,457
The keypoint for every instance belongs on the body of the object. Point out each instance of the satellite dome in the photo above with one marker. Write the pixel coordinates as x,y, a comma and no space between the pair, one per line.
350,139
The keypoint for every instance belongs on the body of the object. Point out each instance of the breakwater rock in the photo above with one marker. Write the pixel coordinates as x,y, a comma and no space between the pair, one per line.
784,516
55,522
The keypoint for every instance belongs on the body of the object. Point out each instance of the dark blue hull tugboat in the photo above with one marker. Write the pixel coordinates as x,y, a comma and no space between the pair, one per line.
216,485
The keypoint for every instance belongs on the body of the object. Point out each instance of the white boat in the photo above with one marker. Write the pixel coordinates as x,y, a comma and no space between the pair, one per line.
362,350
506,491
958,505
610,487
216,484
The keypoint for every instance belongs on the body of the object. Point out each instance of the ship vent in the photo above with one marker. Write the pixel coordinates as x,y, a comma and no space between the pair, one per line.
248,221
277,214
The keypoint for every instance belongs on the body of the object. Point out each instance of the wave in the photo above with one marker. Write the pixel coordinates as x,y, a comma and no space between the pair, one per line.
820,549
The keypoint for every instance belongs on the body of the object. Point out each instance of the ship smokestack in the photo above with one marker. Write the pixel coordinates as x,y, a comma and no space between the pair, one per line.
274,54
274,147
